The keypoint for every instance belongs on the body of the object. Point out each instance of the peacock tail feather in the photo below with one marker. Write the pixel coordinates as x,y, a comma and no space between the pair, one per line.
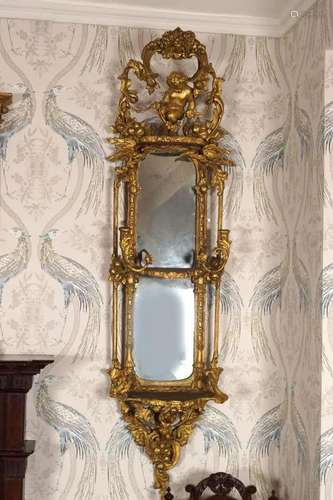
236,61
218,430
304,131
302,279
324,143
300,434
98,50
267,293
269,157
236,173
265,434
92,198
264,62
89,340
118,448
82,142
126,49
325,130
231,308
75,431
326,289
326,454
325,294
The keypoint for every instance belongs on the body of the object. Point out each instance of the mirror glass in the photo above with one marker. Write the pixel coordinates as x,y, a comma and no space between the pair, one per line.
163,329
166,210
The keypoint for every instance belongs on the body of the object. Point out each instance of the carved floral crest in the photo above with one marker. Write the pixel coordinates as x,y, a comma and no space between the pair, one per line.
177,112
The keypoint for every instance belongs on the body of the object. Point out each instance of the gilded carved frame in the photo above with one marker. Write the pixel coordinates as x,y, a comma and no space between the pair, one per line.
161,415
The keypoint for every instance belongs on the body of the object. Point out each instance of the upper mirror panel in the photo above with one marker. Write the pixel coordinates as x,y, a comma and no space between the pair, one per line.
166,210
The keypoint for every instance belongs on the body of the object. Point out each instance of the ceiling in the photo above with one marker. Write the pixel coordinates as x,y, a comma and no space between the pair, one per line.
248,17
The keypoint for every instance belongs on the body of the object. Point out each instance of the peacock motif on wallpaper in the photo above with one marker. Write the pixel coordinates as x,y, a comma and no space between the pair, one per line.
16,119
121,447
267,296
77,282
265,64
98,50
236,173
81,139
325,130
270,156
219,431
236,60
76,434
326,288
13,263
231,310
325,453
267,435
325,292
324,144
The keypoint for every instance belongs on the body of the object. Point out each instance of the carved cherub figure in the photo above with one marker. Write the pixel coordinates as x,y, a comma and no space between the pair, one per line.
177,102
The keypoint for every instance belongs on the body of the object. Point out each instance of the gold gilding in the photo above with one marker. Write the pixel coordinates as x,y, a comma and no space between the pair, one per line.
161,415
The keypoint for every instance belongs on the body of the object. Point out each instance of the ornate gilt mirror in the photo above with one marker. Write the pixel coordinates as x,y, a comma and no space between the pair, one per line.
169,245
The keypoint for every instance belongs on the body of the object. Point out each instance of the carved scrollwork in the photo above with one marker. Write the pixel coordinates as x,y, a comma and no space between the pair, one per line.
135,263
125,124
178,109
125,151
162,428
212,156
213,265
122,380
120,273
176,44
185,123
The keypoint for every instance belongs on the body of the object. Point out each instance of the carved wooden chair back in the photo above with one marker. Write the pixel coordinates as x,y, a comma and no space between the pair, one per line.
222,485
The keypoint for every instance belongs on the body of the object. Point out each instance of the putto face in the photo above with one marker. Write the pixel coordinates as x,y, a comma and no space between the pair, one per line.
176,79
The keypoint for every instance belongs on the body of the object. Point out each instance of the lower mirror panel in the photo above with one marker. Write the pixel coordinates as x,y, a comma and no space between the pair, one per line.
163,332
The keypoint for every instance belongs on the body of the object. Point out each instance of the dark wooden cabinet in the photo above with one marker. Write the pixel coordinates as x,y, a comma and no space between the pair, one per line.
16,375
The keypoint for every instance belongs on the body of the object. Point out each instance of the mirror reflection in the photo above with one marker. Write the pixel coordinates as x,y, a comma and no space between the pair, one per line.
166,210
163,329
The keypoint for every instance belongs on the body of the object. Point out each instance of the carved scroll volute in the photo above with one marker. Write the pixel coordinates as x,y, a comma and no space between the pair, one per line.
180,45
184,115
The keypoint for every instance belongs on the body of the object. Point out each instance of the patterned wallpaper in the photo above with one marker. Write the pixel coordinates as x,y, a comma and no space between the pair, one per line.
55,214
